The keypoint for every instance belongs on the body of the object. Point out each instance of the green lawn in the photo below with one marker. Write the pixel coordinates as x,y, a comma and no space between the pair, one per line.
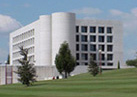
115,83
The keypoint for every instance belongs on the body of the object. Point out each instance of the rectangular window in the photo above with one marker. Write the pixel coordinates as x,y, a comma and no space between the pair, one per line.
84,47
92,47
77,29
84,38
109,39
93,56
84,29
77,47
77,63
109,57
103,64
109,64
109,29
92,38
92,29
77,38
84,56
101,47
109,48
77,56
101,29
103,57
101,38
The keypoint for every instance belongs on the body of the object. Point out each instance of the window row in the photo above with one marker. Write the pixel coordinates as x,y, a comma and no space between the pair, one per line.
92,38
84,47
24,43
15,62
23,36
103,64
93,29
17,54
84,56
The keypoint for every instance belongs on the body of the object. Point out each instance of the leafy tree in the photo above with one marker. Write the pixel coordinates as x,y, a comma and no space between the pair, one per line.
132,62
93,68
65,62
26,71
118,65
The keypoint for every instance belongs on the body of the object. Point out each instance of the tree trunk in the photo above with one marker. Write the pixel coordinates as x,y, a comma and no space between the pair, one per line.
66,75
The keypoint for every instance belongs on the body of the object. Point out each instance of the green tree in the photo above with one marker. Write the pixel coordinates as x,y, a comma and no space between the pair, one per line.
93,68
26,71
132,62
118,66
65,62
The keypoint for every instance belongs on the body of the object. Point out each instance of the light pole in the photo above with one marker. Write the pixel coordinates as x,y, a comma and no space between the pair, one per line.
100,65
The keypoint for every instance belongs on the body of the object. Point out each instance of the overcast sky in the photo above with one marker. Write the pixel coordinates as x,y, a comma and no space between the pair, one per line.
17,13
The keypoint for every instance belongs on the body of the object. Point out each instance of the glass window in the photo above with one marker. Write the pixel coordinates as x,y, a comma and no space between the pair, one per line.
93,29
109,29
77,63
84,38
101,29
92,38
101,47
109,38
84,29
103,57
93,56
77,29
84,47
103,64
109,48
92,47
77,38
109,57
77,56
101,38
77,47
109,64
84,56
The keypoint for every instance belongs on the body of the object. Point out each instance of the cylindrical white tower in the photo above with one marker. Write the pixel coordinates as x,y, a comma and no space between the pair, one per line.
63,29
44,48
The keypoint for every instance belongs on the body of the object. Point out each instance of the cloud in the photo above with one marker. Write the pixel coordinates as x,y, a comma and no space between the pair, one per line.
87,11
8,24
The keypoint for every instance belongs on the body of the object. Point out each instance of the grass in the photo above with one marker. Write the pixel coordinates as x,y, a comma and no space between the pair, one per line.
114,83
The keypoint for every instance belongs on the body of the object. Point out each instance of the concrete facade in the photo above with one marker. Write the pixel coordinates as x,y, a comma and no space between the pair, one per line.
44,37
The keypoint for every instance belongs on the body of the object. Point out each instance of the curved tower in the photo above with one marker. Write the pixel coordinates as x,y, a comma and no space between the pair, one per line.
63,29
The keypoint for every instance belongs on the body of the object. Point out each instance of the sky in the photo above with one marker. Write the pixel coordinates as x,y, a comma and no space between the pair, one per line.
17,13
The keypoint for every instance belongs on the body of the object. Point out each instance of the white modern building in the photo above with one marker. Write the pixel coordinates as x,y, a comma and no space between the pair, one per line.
85,37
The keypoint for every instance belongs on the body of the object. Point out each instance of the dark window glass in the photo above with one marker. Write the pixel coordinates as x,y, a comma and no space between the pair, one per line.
92,47
84,56
84,29
77,47
86,63
92,38
103,57
93,56
77,63
84,38
101,47
77,56
101,29
77,38
103,64
109,57
110,64
109,48
101,38
109,38
109,29
93,29
84,47
77,29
